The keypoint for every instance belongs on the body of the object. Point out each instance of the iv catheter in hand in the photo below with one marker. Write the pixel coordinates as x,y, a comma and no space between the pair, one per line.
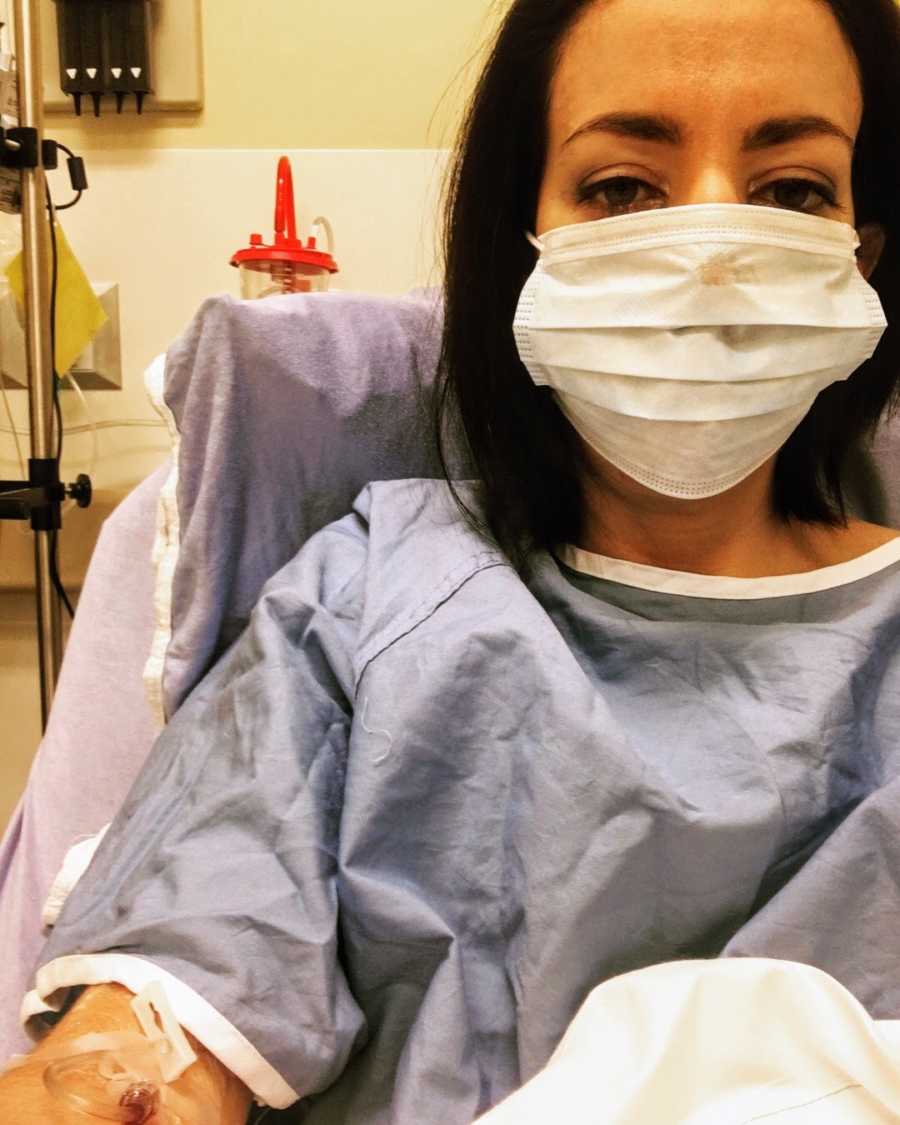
127,1076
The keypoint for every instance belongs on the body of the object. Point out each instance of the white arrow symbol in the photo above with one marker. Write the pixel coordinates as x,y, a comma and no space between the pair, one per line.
72,71
92,72
116,71
136,71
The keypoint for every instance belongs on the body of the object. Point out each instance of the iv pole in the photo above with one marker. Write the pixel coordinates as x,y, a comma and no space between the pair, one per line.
38,348
38,499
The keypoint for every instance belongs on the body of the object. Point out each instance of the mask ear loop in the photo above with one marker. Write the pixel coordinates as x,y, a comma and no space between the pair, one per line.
535,242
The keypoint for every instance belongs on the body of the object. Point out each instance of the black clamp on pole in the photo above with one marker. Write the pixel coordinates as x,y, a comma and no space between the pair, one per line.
19,147
40,498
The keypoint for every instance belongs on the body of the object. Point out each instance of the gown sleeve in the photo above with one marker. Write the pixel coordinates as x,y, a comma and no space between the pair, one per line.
218,875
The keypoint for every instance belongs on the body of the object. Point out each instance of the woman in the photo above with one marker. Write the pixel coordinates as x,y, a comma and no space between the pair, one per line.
640,704
518,169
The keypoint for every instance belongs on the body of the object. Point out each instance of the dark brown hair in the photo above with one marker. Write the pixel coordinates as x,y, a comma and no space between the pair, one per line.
525,454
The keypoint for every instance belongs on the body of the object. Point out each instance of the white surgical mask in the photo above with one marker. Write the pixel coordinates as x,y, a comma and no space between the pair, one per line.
687,344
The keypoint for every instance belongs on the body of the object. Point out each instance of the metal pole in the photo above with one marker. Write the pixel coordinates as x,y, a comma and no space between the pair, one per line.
38,349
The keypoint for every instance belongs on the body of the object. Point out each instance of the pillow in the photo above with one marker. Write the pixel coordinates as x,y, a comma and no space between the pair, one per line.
281,411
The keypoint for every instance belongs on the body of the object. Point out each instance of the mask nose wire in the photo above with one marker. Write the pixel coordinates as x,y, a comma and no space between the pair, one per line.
535,242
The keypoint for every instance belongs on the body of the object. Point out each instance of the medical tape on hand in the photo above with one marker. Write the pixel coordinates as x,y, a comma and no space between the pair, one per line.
175,1054
125,1076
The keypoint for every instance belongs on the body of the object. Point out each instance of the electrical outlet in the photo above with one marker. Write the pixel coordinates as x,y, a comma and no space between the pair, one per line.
98,368
176,57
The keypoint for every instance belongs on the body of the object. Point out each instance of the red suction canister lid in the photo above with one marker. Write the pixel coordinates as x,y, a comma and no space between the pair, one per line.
287,247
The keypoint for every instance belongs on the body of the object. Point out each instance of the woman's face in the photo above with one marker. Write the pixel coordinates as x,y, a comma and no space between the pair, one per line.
718,75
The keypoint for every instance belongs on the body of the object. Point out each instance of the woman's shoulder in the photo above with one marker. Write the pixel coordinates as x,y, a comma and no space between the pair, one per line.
423,507
398,535
401,539
421,553
834,546
423,524
431,490
873,533
403,549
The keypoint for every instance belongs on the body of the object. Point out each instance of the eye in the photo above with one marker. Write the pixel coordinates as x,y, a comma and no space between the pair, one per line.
621,193
618,192
792,194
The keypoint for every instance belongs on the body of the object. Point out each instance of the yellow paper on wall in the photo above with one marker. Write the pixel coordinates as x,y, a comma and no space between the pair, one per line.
79,314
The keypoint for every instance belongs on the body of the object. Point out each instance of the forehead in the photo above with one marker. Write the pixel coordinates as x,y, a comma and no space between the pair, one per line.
705,61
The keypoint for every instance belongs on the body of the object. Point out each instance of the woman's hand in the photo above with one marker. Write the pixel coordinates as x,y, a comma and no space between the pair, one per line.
211,1091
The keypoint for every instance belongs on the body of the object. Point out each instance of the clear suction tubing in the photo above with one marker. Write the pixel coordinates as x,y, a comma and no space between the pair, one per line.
126,1076
288,265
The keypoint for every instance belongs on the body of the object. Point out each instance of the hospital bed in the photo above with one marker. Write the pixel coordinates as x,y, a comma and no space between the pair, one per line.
281,411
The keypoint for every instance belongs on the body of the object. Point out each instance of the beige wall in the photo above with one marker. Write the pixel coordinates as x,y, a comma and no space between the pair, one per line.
163,225
355,74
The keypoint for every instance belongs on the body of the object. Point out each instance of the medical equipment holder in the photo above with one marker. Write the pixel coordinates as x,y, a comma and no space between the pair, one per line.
23,148
40,497
40,502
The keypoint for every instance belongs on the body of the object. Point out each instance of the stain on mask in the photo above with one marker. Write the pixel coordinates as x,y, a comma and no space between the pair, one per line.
724,268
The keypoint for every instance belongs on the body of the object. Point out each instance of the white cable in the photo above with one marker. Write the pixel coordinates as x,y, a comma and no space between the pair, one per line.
95,444
115,423
15,433
92,425
26,527
105,424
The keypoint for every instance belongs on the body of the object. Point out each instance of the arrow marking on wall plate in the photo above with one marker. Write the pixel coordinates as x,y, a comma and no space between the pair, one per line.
116,71
136,71
91,72
72,71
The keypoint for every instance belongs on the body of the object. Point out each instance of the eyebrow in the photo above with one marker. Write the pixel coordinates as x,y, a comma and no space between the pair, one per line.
666,130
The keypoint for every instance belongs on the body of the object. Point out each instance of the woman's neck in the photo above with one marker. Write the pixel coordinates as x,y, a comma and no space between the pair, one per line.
735,534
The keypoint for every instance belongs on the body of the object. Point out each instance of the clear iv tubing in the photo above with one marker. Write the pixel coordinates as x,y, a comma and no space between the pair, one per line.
124,1096
104,424
127,1100
322,222
13,430
117,1077
120,1082
126,1076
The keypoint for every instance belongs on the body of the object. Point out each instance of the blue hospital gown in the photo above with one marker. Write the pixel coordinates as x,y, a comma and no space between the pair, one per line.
422,807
